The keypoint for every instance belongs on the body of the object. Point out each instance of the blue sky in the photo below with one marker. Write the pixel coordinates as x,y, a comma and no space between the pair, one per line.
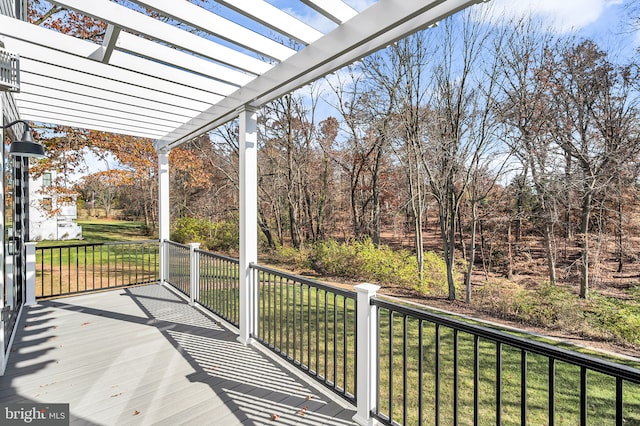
604,21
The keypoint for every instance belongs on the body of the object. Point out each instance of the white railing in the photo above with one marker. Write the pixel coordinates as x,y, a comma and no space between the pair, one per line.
9,71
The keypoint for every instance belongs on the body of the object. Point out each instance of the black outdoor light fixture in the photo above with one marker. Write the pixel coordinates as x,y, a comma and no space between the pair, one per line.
26,146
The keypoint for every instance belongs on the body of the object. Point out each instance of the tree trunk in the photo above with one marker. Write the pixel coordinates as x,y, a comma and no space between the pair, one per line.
449,237
551,262
509,272
620,240
376,199
472,251
264,227
584,243
463,247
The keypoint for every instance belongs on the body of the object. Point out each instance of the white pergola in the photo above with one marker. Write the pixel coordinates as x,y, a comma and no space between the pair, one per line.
153,78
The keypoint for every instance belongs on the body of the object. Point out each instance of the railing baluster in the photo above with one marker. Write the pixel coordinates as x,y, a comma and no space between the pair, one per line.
619,402
476,380
390,372
309,327
378,351
335,341
456,377
498,383
280,300
420,370
271,289
317,354
60,269
523,387
326,339
583,396
437,374
404,369
295,323
344,344
552,391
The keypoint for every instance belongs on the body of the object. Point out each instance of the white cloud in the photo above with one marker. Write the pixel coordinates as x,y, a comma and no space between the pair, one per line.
561,15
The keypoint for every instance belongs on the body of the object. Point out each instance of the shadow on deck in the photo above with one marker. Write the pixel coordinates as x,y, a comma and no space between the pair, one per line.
143,356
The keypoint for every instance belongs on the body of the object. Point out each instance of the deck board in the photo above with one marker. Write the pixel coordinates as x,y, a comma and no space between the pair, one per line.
143,356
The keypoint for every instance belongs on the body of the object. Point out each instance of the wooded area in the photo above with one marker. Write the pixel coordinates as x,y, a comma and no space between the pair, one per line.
514,141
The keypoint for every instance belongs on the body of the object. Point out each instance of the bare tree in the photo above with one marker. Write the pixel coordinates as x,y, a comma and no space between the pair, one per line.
524,111
360,155
591,112
458,137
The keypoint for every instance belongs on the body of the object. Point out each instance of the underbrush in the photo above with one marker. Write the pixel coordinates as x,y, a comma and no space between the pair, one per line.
554,307
363,261
546,305
621,321
558,308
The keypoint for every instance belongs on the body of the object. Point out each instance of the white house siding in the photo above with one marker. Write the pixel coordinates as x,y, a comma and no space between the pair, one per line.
43,225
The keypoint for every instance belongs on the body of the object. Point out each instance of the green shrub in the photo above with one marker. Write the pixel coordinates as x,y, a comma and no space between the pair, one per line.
333,258
298,258
217,236
362,260
617,319
190,230
434,279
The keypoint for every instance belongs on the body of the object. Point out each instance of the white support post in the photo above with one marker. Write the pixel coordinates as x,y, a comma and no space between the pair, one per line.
366,379
30,279
194,273
248,145
4,256
163,209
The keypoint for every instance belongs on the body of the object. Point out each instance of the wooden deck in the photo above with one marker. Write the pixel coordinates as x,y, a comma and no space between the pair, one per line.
143,356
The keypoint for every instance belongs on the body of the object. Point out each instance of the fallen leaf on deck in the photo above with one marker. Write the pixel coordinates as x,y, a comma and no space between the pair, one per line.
303,411
136,412
117,394
274,416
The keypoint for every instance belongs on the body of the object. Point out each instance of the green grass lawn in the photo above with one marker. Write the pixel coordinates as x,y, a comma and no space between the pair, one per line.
103,231
398,392
65,267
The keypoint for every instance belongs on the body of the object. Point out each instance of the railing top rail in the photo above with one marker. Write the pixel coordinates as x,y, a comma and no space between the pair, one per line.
173,243
576,358
218,256
107,243
306,281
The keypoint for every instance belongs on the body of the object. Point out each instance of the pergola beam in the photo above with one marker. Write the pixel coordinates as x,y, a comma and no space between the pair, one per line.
135,111
103,54
138,23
